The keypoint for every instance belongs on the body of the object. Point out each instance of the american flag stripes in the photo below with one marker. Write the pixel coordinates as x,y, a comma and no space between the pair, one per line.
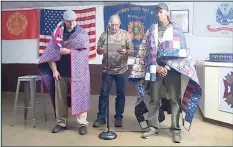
49,20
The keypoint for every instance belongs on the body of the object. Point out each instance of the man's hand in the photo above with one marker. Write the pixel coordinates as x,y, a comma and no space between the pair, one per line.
162,71
56,75
122,51
130,51
65,51
100,51
159,69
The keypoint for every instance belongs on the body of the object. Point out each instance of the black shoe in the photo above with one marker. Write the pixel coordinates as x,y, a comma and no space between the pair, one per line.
58,128
98,123
83,130
118,123
161,115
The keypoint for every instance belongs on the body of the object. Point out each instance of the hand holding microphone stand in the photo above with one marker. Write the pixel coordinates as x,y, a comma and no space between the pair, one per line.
107,135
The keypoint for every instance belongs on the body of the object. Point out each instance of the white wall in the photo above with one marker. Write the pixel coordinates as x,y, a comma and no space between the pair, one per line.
26,51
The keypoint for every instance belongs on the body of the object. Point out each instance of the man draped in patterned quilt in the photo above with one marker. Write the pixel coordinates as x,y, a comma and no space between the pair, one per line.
162,59
65,69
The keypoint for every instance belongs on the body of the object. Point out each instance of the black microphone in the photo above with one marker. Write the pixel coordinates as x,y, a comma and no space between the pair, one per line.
108,26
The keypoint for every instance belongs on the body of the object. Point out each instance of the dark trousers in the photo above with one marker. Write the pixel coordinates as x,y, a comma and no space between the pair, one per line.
120,81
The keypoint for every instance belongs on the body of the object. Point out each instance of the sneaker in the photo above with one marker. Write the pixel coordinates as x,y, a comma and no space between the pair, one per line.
58,128
176,137
83,130
152,132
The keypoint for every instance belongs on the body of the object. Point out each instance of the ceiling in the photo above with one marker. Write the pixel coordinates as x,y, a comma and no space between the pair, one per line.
37,4
8,4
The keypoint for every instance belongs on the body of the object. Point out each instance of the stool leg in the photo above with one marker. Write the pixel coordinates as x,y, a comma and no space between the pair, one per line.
26,91
16,101
41,92
33,101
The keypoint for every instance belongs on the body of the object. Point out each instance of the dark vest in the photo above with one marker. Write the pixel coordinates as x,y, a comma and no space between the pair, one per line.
64,65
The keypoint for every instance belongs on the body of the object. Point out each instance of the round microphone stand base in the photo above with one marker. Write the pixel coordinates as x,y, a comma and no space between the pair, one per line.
107,135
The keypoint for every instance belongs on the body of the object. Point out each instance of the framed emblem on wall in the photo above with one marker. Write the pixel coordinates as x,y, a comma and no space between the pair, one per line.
226,89
181,18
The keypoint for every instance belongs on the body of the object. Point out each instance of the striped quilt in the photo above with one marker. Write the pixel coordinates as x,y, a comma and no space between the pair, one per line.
80,75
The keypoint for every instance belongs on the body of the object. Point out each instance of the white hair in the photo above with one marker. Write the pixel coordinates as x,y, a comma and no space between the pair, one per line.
114,17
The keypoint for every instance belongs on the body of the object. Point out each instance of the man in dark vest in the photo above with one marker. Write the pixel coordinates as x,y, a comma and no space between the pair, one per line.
65,70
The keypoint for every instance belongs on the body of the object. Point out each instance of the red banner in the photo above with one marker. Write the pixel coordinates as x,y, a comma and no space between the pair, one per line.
20,24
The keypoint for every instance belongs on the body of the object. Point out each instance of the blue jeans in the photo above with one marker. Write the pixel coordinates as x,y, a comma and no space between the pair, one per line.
120,81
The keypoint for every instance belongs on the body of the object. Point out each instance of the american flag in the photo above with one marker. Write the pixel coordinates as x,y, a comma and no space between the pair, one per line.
49,19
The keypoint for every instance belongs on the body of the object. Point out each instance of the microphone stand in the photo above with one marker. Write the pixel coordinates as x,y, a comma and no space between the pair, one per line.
107,135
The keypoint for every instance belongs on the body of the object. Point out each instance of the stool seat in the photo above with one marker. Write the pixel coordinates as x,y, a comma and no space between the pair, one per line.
28,77
29,86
